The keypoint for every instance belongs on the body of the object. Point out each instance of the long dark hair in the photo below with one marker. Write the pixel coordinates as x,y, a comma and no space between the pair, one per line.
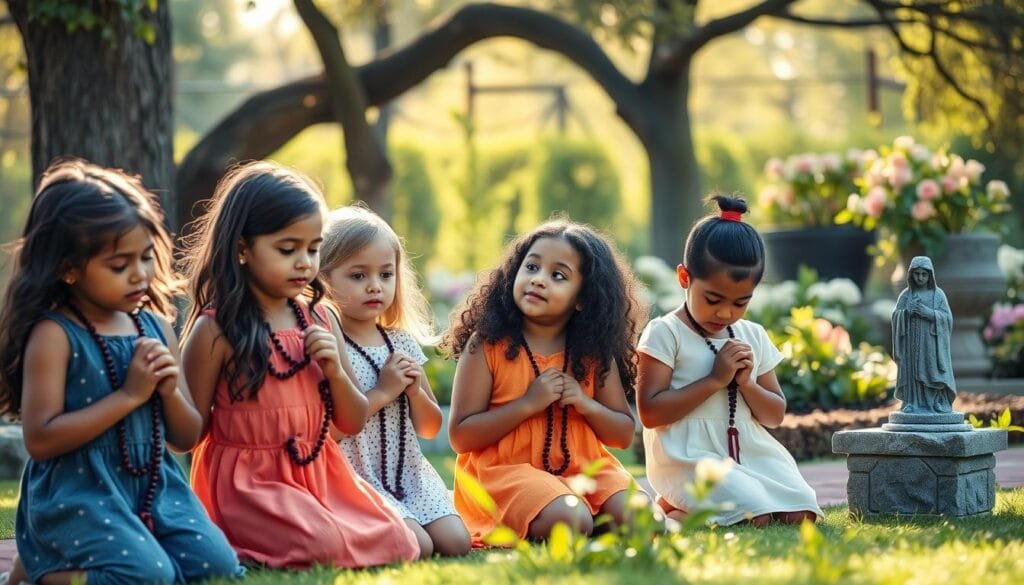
605,328
78,209
251,200
716,244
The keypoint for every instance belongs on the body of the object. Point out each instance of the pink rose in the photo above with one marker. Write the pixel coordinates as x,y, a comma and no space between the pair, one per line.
805,163
773,169
839,339
950,184
821,329
787,196
874,202
974,170
928,190
922,210
898,160
898,177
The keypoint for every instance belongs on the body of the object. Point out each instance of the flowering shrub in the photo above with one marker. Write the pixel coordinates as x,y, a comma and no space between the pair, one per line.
822,369
833,300
919,196
808,189
660,290
1004,332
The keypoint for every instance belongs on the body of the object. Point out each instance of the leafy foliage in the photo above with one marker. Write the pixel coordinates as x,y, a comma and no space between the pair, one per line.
580,179
102,14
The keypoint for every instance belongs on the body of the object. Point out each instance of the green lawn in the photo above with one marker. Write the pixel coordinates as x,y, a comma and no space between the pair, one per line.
986,550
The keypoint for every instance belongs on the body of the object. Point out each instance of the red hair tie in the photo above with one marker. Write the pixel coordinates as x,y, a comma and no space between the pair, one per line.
731,216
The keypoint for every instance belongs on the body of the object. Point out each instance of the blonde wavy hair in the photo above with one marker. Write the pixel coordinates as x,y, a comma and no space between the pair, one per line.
352,228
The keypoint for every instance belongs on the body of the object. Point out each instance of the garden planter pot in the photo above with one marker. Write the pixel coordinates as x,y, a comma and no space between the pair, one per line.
834,251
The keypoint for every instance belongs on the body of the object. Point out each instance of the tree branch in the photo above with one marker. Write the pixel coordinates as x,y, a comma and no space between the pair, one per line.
365,160
269,119
681,50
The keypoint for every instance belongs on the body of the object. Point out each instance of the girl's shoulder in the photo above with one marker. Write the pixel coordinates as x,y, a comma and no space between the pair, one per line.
750,331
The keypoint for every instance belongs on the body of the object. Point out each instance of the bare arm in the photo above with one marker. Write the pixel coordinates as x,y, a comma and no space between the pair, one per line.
472,426
764,397
50,431
423,408
657,403
203,357
351,408
607,412
184,424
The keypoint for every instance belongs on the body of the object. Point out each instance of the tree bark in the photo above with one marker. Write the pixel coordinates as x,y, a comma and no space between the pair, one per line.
266,121
676,193
107,101
367,165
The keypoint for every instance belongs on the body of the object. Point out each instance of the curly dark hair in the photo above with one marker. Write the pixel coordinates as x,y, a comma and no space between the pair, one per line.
605,328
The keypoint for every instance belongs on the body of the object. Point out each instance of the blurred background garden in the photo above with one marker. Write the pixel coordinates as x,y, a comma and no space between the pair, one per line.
861,133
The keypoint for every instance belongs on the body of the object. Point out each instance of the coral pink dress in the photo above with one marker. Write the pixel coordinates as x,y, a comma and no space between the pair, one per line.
280,514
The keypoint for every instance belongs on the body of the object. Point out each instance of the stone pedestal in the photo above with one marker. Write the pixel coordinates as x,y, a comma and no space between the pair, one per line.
12,452
920,473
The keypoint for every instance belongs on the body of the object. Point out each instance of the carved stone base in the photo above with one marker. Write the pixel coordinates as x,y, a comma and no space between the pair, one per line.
927,473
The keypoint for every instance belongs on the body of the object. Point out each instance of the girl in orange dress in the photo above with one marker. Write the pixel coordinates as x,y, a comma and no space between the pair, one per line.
545,347
269,381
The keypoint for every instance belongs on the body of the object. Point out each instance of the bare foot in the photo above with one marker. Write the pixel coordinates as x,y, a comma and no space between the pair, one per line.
670,510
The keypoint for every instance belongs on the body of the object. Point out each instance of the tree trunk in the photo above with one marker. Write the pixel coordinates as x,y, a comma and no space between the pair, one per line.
675,175
106,101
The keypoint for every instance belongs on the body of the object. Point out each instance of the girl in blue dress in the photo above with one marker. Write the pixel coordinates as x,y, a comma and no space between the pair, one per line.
89,363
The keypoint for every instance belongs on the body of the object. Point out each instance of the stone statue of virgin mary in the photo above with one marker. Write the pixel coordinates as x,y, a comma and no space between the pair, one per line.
921,328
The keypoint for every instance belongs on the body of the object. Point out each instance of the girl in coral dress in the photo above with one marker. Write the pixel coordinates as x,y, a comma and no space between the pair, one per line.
267,373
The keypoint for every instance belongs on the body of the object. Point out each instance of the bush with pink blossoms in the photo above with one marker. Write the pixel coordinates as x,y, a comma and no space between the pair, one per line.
919,196
1005,336
807,190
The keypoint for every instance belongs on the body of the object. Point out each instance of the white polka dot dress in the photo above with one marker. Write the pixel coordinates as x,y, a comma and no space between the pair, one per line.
426,496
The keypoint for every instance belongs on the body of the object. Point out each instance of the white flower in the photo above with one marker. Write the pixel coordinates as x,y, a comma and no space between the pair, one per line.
784,294
997,190
651,268
974,169
1011,262
843,290
920,153
831,162
883,308
582,485
820,291
671,302
903,142
713,471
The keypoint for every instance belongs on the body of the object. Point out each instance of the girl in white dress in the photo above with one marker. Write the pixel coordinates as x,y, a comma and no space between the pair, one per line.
383,313
707,387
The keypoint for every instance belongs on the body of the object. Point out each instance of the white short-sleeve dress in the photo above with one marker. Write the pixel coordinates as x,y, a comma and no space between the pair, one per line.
426,496
767,478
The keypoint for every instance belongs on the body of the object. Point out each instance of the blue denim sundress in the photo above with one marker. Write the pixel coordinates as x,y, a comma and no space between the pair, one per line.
79,511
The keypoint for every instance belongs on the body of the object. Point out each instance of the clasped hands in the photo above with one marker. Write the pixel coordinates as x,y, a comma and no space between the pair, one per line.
555,386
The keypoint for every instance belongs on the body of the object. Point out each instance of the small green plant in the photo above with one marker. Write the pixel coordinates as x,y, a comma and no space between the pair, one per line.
822,368
1003,421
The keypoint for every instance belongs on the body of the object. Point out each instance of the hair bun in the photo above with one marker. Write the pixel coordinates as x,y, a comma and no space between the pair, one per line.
727,203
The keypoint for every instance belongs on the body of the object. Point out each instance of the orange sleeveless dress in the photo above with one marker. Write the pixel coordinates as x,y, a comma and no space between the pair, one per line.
512,471
279,514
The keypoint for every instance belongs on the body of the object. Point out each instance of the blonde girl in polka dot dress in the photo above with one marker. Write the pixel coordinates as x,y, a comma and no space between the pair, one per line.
383,313
91,367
